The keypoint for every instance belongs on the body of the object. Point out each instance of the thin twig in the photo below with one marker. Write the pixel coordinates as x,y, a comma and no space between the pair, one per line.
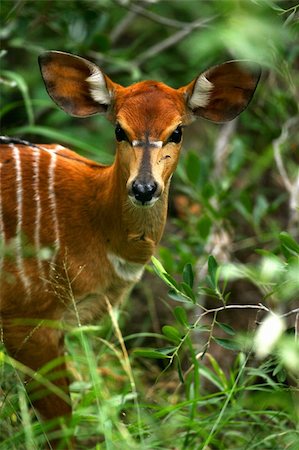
171,40
291,187
277,144
184,28
259,306
122,26
137,9
289,313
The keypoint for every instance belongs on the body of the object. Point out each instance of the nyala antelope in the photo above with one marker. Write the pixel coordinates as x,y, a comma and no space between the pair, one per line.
99,224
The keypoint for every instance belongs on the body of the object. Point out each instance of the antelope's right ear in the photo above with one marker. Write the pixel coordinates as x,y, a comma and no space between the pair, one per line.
222,92
75,84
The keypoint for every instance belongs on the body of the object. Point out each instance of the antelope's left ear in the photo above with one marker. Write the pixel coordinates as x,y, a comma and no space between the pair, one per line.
75,84
222,92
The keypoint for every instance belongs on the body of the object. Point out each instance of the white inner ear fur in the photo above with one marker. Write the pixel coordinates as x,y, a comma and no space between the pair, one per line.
201,93
98,88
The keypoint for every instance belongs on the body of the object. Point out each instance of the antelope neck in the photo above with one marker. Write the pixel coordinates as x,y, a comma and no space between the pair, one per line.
130,231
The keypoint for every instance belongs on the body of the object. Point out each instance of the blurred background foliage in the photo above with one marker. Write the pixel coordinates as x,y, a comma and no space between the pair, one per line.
235,195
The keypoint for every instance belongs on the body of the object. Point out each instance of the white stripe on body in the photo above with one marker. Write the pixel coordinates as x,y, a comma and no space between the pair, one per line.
2,235
58,147
38,210
36,154
53,204
19,197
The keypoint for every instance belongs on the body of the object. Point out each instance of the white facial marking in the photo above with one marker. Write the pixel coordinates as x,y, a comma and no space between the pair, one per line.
19,197
126,270
52,199
201,93
157,144
98,88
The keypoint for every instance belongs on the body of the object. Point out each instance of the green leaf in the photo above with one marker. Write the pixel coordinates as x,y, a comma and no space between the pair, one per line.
171,333
288,245
218,371
228,344
161,272
193,168
180,372
158,266
209,375
167,350
212,270
226,297
204,227
208,191
181,315
207,291
176,295
260,209
226,328
188,275
188,291
170,281
151,353
280,373
22,85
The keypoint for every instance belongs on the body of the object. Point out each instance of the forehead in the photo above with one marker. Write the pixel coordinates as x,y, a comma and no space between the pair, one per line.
149,106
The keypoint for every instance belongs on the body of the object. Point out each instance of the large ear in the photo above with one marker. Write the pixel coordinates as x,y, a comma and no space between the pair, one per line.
76,85
224,91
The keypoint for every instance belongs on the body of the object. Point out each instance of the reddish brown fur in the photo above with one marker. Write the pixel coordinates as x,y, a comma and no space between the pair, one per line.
95,217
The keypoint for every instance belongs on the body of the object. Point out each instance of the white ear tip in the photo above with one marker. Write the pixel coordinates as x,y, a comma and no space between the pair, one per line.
201,93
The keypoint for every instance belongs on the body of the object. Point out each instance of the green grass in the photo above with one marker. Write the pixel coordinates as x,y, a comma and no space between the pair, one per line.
175,396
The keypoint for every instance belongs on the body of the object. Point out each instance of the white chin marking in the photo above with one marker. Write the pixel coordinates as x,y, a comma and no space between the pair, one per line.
139,204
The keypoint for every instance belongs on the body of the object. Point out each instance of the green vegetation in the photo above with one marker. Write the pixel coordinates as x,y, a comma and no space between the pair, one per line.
183,364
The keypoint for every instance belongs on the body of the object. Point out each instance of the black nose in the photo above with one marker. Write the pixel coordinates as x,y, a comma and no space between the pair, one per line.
143,192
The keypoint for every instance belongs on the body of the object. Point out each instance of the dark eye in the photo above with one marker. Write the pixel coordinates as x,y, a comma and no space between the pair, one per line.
120,134
176,136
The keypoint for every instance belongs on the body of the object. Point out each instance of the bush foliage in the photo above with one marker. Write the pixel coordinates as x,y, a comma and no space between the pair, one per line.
218,366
